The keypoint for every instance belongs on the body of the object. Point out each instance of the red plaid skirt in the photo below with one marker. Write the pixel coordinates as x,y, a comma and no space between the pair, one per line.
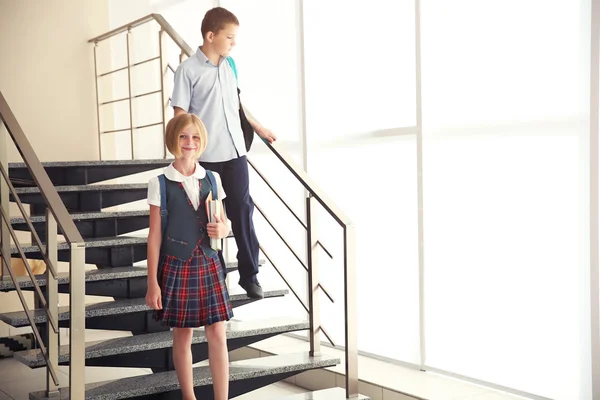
194,292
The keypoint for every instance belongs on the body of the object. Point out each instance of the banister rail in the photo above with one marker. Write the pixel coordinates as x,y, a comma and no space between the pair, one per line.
56,215
39,175
156,17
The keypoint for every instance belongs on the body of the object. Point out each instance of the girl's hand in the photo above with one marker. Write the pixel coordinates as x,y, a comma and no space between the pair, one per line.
217,230
153,297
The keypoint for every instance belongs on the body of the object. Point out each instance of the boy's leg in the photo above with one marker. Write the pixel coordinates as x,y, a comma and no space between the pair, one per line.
239,207
182,359
218,359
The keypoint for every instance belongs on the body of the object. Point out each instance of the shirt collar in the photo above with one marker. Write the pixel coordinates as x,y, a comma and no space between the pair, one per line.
203,59
173,175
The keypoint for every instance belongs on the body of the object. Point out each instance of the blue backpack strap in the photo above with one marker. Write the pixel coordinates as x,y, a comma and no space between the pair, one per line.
213,184
164,214
233,67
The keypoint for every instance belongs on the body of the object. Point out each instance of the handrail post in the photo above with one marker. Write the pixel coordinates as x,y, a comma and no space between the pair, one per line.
312,252
164,70
52,302
129,63
97,100
4,200
77,323
350,311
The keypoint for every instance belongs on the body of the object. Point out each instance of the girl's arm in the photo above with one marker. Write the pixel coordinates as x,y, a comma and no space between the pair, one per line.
154,243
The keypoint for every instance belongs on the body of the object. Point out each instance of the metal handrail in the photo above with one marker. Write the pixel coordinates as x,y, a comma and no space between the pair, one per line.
290,209
289,284
56,215
39,175
291,249
310,185
161,22
34,328
34,234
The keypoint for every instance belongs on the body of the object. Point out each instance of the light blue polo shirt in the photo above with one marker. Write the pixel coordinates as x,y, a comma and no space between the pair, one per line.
210,92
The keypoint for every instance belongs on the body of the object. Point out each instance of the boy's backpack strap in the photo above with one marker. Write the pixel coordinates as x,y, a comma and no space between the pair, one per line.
233,67
213,184
164,214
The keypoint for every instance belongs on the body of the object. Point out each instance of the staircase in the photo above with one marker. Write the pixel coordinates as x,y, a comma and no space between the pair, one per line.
70,198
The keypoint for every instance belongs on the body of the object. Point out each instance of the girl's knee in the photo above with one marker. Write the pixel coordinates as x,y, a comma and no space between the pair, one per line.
182,335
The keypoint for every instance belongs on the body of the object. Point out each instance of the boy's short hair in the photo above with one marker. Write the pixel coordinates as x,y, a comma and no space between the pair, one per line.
174,128
215,19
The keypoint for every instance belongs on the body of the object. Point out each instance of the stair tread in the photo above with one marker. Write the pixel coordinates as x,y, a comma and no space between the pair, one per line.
167,381
115,307
103,274
85,188
151,341
336,393
91,242
80,216
95,163
90,276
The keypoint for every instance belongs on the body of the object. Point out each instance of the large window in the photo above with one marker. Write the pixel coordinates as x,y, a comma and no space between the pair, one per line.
505,114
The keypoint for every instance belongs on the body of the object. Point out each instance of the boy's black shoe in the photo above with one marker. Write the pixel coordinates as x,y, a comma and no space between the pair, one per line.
253,290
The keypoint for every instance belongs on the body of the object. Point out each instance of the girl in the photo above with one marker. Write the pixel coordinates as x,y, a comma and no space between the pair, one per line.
186,284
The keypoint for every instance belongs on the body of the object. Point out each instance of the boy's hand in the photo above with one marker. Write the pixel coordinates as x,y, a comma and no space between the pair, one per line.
217,230
266,134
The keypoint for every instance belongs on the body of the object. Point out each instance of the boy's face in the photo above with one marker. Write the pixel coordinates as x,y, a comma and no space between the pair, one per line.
224,40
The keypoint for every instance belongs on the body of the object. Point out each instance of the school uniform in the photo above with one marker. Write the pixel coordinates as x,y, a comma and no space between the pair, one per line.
190,274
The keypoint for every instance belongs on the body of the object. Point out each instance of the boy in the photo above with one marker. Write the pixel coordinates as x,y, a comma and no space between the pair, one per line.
206,86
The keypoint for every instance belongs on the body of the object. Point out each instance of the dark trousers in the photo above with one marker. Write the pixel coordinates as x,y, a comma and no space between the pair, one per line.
239,208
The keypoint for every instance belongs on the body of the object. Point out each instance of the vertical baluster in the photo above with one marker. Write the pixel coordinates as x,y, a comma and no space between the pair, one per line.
4,200
313,277
164,86
97,100
52,301
77,323
350,311
129,43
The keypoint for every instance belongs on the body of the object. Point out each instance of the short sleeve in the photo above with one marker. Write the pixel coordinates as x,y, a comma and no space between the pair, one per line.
154,192
222,193
182,89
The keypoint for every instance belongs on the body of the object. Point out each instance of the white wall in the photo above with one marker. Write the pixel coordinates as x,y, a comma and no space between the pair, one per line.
47,77
47,73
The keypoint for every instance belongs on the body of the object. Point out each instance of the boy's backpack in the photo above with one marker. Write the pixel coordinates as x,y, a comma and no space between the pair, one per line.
164,213
246,127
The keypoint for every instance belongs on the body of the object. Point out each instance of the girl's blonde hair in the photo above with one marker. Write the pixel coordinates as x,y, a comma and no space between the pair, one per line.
174,128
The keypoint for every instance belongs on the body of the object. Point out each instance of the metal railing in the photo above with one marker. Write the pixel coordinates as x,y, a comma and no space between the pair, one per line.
56,216
315,197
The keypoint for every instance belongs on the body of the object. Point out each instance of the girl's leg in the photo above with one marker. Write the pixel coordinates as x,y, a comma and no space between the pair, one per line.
218,359
182,358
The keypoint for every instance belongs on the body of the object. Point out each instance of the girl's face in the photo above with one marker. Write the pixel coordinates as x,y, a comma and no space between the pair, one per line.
189,142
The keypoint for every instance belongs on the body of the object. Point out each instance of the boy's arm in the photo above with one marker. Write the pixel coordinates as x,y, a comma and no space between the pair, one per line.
263,132
182,91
